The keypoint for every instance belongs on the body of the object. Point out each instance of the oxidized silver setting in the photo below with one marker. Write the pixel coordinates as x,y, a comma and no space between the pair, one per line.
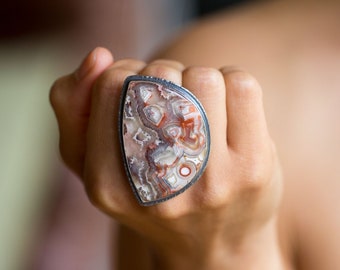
164,136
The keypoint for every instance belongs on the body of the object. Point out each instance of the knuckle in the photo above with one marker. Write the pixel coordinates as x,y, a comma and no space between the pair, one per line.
244,85
208,82
108,82
98,191
255,173
215,193
204,75
57,92
252,180
161,71
214,198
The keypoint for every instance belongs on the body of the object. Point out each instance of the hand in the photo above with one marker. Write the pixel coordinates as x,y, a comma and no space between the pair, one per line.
229,214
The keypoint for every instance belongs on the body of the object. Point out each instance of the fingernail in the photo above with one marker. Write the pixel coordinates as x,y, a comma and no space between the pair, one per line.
86,65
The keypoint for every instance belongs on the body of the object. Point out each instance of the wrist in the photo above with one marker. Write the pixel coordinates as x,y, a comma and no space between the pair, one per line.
257,250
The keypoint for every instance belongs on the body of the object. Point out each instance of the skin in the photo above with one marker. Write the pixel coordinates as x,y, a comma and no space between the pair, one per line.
237,216
216,223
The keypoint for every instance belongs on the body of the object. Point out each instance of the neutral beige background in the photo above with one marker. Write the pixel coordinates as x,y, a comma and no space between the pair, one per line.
29,162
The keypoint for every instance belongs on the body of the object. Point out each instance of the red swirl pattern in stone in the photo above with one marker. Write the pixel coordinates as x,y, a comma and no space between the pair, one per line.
164,139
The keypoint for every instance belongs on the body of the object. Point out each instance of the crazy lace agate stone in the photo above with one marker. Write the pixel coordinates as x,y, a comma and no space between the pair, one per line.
164,136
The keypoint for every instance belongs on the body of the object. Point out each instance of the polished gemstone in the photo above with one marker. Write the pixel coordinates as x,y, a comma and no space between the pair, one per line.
165,138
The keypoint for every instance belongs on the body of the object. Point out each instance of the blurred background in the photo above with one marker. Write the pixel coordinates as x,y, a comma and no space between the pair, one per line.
46,221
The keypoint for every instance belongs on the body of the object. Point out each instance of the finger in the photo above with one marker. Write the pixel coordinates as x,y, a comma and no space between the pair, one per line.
207,85
247,130
75,89
166,69
105,179
204,83
92,67
70,99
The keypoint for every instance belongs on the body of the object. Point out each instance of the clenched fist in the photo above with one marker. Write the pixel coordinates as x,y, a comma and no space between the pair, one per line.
226,219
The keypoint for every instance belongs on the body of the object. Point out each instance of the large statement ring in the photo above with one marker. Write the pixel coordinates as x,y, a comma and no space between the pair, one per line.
164,136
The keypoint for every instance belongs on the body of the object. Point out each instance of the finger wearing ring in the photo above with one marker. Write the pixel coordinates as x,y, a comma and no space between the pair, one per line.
164,137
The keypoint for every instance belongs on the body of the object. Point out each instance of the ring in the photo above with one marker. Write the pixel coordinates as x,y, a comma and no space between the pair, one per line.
164,136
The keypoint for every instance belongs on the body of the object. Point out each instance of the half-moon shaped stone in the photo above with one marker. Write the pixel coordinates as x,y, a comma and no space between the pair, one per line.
165,139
